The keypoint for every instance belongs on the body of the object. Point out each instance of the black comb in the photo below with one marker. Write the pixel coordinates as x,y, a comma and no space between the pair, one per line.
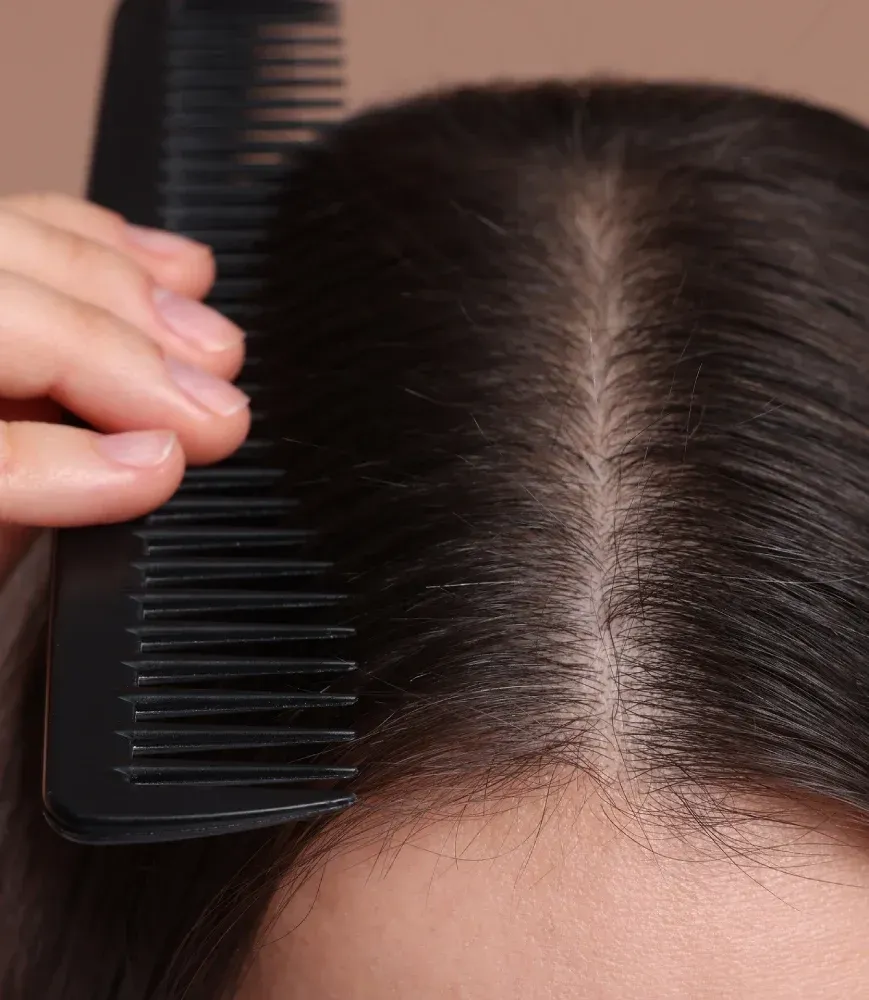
192,652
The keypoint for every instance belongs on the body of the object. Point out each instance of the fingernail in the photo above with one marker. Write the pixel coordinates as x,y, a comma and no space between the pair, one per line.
197,323
160,241
139,449
221,397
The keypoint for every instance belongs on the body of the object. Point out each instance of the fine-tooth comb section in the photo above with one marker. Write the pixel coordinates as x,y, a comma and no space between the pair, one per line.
199,658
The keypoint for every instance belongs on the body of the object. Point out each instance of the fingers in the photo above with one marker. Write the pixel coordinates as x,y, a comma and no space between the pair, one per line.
58,476
103,318
80,267
185,266
109,373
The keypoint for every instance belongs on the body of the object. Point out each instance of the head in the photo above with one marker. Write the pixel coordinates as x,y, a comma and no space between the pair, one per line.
575,382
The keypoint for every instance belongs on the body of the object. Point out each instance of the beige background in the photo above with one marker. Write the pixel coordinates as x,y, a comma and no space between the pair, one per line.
51,55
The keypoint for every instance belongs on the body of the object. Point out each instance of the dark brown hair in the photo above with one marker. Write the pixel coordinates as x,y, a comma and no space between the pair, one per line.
577,387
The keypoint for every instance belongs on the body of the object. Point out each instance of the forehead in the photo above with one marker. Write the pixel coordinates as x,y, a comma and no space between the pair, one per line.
578,901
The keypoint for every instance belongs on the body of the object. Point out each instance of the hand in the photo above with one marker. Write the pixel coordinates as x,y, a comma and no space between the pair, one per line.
102,319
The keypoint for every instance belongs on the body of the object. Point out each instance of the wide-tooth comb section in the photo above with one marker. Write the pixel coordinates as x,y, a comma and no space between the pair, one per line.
221,216
221,510
202,660
229,262
164,572
188,669
178,772
193,635
162,540
152,740
190,704
255,447
201,602
230,478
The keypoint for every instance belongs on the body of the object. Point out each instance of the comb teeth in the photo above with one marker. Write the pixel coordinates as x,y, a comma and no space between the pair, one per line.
203,602
152,740
228,478
165,572
196,636
187,669
220,510
255,446
217,653
182,704
180,772
160,540
219,239
223,594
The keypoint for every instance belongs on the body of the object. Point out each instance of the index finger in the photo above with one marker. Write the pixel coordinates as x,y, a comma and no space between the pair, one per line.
175,262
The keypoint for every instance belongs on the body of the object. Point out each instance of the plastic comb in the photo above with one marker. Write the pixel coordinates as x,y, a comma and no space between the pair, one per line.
191,651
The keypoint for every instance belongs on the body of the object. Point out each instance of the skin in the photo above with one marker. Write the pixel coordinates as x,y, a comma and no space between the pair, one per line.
579,902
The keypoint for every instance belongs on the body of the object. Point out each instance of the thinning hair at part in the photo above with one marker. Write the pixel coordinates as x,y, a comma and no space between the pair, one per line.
574,384
608,486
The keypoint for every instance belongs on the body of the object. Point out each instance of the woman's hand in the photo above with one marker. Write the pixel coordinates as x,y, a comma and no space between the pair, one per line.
102,319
